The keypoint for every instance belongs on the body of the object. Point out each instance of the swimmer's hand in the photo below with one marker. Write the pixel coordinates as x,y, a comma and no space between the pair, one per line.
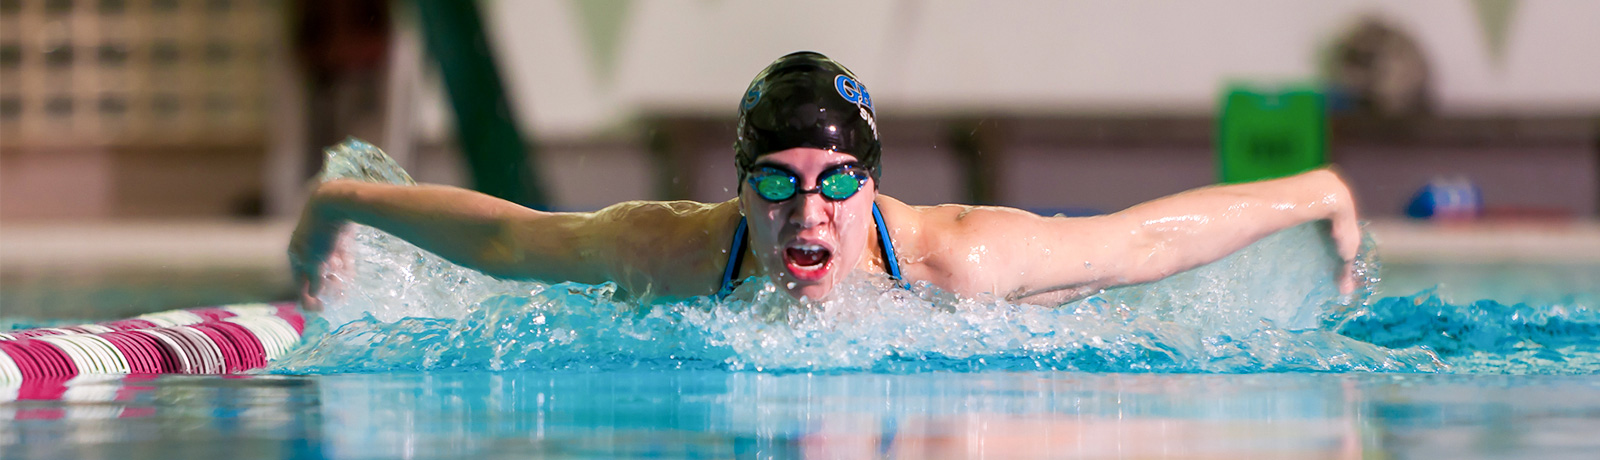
311,247
1346,230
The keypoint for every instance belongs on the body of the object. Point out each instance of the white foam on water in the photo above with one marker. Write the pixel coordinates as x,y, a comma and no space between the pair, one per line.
1263,308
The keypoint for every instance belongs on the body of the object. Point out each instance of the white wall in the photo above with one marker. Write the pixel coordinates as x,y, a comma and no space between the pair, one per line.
1021,56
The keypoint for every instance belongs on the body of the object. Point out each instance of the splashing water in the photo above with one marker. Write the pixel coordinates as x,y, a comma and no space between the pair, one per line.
1268,308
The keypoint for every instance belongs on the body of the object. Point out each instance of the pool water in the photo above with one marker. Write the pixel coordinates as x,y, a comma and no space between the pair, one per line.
1254,356
717,414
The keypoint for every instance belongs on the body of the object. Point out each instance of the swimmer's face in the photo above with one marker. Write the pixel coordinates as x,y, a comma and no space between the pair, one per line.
808,243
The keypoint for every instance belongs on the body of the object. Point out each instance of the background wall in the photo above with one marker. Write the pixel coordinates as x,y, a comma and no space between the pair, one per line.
580,68
140,138
594,83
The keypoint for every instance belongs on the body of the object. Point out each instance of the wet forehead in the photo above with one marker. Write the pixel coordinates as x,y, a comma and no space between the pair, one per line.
805,159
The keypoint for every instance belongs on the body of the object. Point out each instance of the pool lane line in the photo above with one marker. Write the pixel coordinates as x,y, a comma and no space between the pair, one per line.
26,363
99,361
129,353
177,358
9,371
229,357
86,363
267,332
197,353
210,352
226,339
225,350
250,348
257,333
162,360
91,350
117,360
172,318
53,361
286,310
78,356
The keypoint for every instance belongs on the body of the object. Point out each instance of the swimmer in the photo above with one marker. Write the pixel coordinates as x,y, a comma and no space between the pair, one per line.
808,214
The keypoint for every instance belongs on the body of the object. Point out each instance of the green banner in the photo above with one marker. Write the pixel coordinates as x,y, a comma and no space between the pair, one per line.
1263,135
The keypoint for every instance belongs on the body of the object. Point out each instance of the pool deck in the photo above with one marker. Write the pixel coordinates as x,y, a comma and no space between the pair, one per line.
1488,242
200,245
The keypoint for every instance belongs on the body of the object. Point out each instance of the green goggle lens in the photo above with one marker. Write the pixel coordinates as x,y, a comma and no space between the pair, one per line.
840,185
836,184
775,187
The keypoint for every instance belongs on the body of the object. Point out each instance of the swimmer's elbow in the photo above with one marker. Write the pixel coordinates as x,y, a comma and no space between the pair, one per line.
501,257
1146,255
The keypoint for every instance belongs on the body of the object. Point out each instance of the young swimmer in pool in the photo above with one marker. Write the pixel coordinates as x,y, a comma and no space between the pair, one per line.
808,214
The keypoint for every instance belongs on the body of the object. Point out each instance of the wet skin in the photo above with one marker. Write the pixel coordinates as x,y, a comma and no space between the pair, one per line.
784,234
672,250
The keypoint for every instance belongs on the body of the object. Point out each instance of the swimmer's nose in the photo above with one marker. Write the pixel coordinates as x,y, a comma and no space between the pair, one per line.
813,210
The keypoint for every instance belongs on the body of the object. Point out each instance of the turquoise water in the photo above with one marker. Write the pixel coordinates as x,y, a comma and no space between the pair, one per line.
719,414
1269,308
1254,356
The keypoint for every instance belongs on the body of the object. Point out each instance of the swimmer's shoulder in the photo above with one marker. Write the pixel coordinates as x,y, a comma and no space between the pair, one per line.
947,217
946,230
943,244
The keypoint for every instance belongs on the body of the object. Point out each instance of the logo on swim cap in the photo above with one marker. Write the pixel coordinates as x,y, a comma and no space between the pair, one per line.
754,95
852,91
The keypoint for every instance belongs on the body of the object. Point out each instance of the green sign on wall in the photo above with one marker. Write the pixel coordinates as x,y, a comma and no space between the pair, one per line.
1263,135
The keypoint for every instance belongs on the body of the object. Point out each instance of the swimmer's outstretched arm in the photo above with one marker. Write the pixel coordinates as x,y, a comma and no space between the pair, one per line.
468,228
1028,255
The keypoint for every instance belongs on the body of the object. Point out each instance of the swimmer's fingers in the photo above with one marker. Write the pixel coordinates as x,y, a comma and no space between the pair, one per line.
306,276
310,248
1346,229
1347,280
1347,238
307,279
308,297
315,238
318,278
307,251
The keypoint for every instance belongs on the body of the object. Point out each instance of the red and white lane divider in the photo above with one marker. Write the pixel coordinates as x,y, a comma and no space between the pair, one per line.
214,340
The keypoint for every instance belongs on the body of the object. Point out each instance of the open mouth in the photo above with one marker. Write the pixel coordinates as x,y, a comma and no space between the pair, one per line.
807,261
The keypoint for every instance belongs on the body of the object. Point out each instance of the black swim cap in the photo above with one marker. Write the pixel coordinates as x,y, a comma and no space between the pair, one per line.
805,99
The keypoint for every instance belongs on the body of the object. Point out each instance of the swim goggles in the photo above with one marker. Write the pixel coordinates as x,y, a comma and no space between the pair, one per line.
838,183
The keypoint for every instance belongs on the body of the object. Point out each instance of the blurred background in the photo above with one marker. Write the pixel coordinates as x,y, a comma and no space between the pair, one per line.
154,153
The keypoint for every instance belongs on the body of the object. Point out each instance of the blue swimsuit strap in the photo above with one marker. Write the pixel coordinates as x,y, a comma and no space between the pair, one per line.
739,245
735,258
888,248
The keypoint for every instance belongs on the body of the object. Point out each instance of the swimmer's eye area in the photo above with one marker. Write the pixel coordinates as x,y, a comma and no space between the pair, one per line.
838,183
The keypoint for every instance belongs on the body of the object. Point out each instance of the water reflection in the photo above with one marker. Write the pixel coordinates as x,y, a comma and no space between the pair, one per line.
720,414
144,416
